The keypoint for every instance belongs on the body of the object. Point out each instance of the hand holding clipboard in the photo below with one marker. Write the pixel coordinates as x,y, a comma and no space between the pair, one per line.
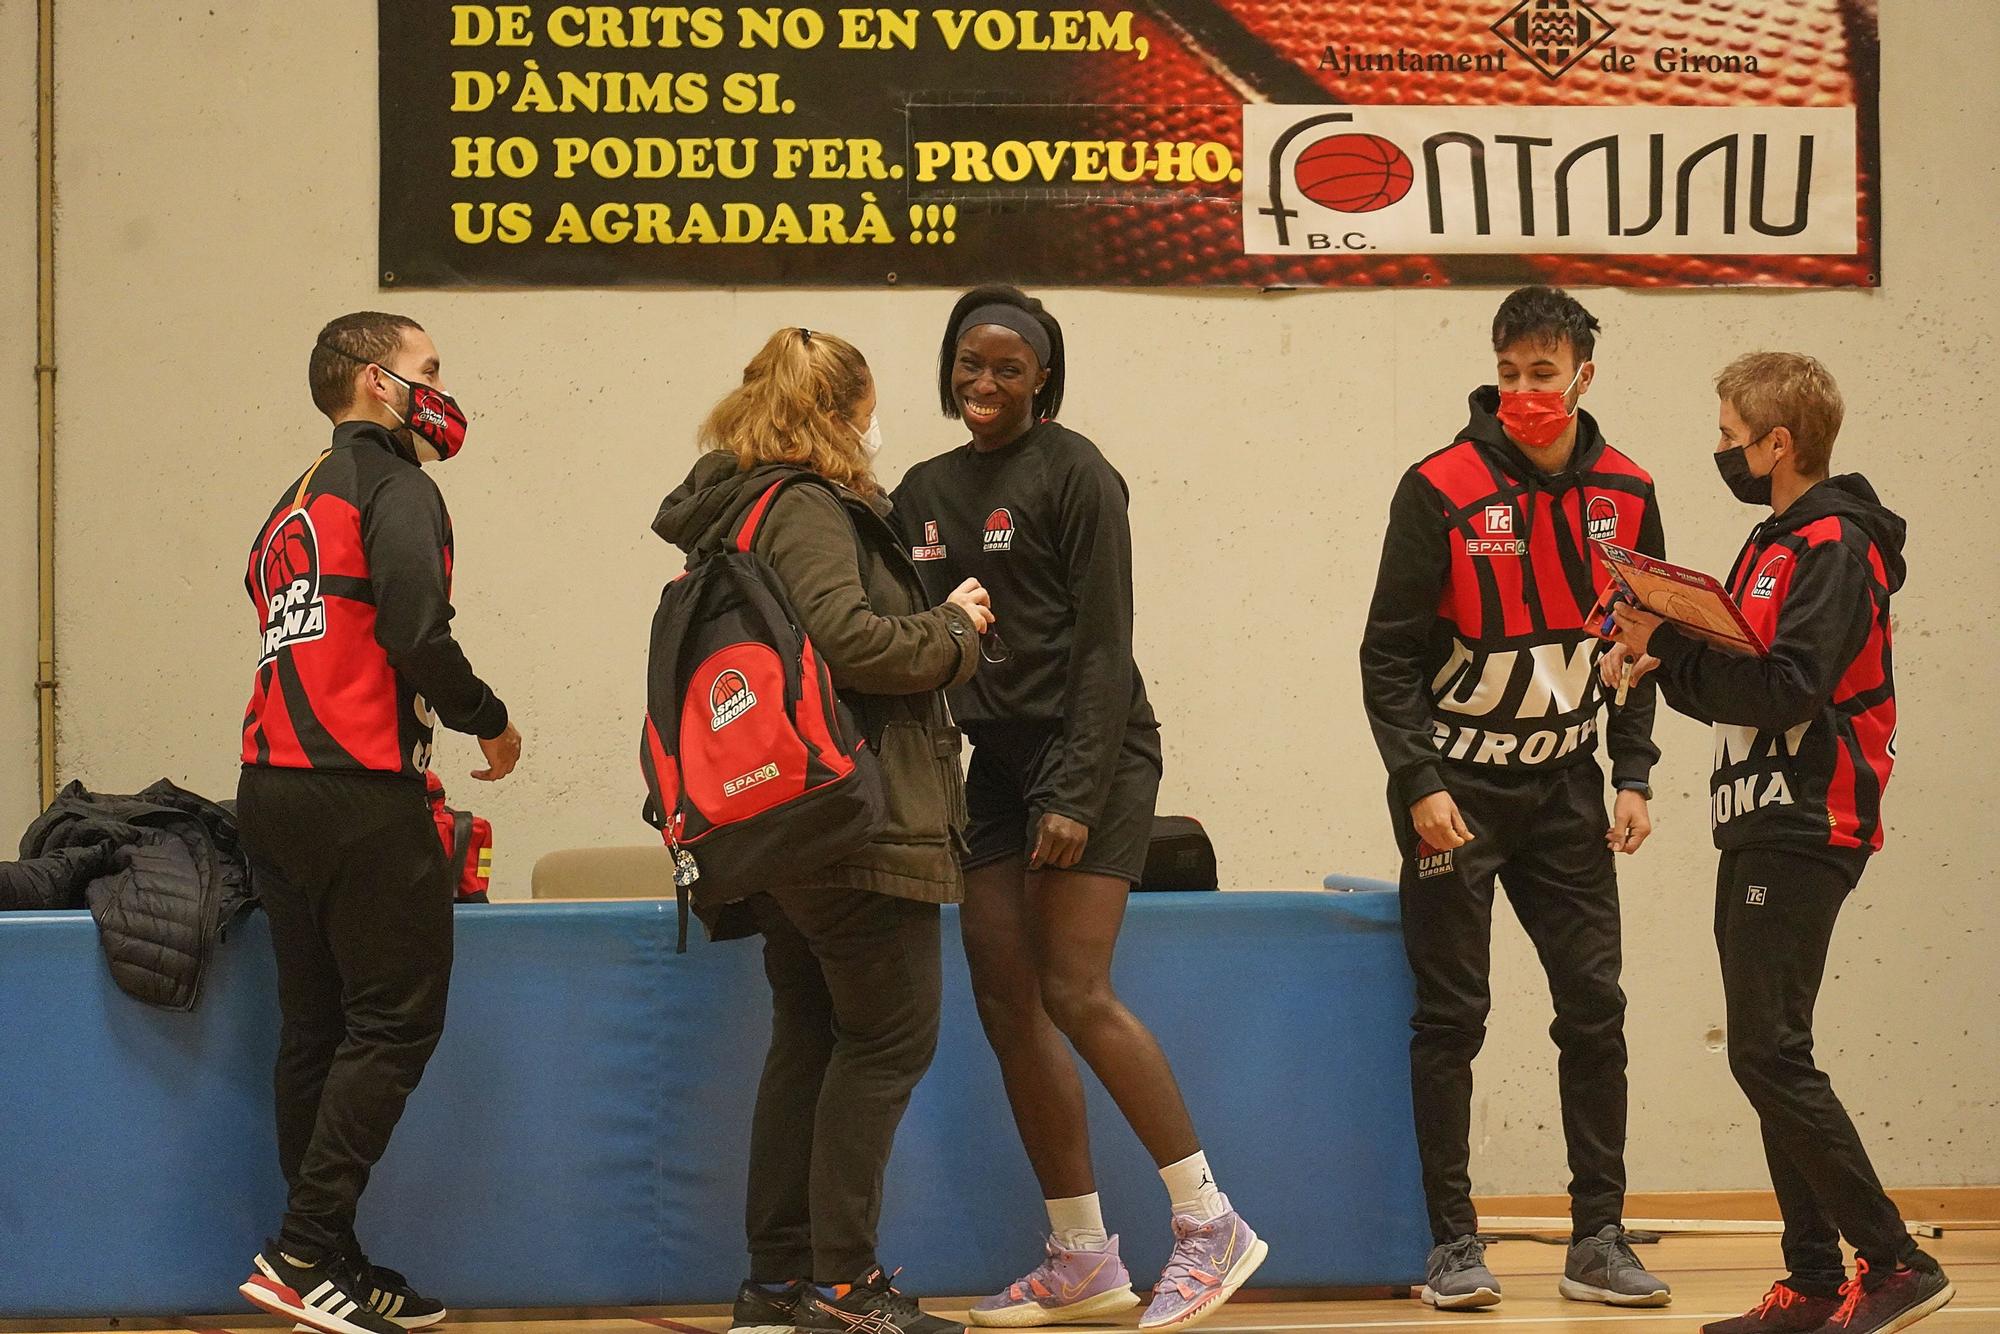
1692,602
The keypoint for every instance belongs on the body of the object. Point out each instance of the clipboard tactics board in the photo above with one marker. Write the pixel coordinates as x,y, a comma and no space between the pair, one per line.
1694,602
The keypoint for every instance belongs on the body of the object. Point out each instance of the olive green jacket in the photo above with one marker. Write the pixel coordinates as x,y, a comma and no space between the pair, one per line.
890,654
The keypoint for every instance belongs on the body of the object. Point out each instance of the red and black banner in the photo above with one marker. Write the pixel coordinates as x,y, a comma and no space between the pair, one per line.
1172,142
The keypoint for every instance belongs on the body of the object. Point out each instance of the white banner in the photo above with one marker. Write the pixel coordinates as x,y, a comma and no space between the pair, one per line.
1461,180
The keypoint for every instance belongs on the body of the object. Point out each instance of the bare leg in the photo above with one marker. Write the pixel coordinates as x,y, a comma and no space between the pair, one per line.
1075,918
1042,1083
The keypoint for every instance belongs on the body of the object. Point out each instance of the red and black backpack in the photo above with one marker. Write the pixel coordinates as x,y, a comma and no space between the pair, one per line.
755,772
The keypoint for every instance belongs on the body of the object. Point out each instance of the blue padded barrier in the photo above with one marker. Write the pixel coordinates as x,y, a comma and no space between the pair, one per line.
1359,884
579,1139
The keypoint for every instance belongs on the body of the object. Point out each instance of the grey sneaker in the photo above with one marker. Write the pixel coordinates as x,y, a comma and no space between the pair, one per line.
1603,1269
1456,1277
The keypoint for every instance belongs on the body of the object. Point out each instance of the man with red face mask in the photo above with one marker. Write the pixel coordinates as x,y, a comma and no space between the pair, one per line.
1477,674
351,579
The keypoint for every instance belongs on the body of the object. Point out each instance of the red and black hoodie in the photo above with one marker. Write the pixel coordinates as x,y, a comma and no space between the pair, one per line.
1804,738
351,578
1477,651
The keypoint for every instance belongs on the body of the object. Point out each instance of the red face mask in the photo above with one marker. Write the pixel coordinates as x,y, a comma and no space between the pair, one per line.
434,416
1537,417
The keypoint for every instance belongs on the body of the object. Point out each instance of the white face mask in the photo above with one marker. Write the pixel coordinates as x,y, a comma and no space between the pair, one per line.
871,439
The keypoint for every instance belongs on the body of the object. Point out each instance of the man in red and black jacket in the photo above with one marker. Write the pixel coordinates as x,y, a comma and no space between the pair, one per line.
1805,738
351,579
1479,677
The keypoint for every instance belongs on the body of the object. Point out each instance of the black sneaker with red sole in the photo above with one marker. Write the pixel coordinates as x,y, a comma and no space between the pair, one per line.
326,1297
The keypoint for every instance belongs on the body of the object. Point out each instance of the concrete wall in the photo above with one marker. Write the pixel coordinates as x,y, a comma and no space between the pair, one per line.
205,239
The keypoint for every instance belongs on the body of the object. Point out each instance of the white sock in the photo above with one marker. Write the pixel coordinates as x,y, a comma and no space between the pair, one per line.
1078,1223
1191,1186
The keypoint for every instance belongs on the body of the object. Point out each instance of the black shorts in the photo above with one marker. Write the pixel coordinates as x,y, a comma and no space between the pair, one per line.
1006,794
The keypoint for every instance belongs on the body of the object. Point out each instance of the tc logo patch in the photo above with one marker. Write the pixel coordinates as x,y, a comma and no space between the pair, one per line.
1755,898
729,699
1497,538
1431,862
999,531
933,548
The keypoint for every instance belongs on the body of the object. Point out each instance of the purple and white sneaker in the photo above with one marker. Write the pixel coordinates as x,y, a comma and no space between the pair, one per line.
1068,1285
1210,1261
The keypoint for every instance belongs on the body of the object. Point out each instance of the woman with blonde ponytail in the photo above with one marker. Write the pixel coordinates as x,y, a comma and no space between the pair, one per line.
852,953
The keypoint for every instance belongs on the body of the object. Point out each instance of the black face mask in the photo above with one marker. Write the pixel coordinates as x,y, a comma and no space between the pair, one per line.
1745,485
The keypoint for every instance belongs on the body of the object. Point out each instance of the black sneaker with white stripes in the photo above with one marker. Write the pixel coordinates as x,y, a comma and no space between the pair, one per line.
325,1297
390,1294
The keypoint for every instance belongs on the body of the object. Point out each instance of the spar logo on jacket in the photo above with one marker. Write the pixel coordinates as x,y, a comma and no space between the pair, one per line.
1515,681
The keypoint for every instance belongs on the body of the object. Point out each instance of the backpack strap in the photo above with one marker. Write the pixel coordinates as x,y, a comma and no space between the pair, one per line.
299,496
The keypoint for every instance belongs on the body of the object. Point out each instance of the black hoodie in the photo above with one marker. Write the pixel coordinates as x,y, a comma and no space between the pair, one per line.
1804,737
1477,650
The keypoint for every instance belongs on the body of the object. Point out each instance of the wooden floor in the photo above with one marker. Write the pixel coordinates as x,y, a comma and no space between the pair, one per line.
1712,1277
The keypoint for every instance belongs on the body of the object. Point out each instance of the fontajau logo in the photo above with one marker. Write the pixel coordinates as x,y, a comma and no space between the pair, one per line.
1552,35
1597,180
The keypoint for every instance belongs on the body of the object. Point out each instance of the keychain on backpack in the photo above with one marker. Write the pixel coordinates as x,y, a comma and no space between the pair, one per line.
685,871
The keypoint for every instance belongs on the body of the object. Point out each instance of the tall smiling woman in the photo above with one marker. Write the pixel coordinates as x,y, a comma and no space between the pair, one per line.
1064,774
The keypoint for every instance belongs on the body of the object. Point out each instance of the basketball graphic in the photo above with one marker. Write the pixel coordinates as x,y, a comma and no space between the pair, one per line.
999,531
1602,519
291,554
1766,586
729,698
1353,173
288,569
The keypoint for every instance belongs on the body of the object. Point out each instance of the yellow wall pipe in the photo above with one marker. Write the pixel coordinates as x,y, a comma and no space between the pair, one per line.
45,386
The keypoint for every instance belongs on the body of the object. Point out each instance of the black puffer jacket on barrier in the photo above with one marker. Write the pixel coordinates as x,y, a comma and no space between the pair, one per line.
160,871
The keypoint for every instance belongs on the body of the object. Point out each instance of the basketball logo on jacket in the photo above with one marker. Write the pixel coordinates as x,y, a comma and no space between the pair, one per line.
1000,531
289,570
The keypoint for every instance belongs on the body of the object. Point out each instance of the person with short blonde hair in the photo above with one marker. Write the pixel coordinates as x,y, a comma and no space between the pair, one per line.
1805,738
1774,389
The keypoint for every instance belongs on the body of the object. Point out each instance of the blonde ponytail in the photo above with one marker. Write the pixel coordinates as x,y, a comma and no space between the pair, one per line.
794,405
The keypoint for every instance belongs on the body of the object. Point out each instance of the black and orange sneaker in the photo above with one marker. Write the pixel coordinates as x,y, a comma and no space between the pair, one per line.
1880,1303
326,1297
1784,1310
761,1309
868,1306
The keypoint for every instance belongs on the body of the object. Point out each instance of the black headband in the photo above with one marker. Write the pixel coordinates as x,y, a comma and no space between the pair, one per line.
1012,318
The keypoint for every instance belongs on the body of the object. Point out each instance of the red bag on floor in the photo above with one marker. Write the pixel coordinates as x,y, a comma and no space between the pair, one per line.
468,845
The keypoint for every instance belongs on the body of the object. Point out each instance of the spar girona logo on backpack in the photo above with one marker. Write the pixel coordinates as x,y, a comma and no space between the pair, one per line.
999,531
755,772
729,699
